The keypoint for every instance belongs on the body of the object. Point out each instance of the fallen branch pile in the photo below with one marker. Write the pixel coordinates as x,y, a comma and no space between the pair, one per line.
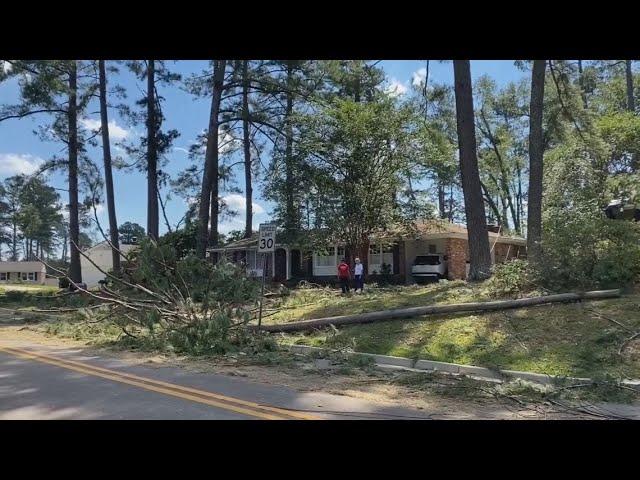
172,295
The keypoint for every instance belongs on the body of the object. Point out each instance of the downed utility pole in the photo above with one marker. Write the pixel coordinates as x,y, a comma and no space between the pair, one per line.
437,310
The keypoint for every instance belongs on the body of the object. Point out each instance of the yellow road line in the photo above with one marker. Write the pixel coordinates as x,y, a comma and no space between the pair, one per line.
201,396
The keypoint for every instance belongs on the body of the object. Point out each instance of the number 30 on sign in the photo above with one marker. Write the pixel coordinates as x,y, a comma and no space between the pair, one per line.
267,238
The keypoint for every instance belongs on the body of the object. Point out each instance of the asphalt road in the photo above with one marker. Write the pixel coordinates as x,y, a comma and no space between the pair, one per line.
46,383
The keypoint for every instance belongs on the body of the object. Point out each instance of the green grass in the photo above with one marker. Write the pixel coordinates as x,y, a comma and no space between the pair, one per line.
307,303
559,339
28,288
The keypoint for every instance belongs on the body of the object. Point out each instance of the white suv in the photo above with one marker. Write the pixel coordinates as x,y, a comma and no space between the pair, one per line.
429,267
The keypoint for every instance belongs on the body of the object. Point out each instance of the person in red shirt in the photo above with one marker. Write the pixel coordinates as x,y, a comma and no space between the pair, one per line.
344,275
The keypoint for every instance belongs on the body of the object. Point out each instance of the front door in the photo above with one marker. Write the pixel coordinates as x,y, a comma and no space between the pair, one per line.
296,264
280,273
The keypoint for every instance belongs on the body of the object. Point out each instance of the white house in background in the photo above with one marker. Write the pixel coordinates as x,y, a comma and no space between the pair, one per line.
28,272
100,254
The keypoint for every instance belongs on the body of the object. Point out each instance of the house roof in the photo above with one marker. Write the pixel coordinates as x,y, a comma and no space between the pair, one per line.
432,229
15,267
104,244
439,229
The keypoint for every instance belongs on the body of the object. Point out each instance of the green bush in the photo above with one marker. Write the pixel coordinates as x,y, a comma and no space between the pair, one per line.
183,241
510,279
386,274
590,251
15,296
581,247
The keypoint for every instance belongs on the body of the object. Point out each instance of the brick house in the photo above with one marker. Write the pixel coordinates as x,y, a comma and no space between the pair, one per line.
291,263
451,240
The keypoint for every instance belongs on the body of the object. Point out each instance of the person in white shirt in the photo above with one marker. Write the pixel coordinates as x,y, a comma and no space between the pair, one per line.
359,275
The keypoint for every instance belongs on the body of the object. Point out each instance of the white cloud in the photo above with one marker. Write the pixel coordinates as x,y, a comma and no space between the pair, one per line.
116,132
237,223
17,163
180,149
6,66
233,224
237,203
418,77
226,142
396,88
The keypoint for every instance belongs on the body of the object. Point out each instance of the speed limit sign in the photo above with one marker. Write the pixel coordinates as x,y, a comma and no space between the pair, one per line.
267,238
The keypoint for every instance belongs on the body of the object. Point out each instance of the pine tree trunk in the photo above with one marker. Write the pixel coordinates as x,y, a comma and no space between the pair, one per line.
14,242
506,197
214,235
153,217
581,82
210,175
451,203
505,212
441,200
75,272
519,200
534,209
479,252
492,204
631,103
108,176
425,90
290,222
248,224
65,245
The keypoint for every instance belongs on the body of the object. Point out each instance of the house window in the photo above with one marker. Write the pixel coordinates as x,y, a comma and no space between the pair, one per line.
340,253
387,255
374,255
379,255
23,275
432,248
326,258
251,260
3,276
31,276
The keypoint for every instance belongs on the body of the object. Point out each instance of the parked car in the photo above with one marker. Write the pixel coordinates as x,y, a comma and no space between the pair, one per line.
429,267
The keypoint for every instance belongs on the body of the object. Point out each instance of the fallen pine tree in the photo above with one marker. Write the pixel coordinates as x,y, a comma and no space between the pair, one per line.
401,313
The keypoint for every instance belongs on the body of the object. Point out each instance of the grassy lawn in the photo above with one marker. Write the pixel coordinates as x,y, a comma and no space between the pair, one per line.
580,339
20,287
307,303
560,339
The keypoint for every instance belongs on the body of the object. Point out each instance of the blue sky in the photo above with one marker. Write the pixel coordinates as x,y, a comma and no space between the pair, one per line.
21,150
